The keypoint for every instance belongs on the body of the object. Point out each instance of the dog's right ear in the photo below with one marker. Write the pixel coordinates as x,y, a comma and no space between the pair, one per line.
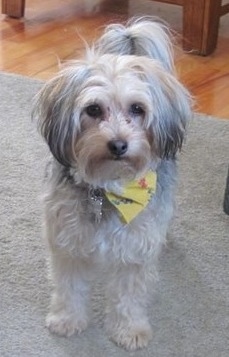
56,111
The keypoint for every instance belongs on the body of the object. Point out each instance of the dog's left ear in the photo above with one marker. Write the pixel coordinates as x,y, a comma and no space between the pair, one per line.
171,111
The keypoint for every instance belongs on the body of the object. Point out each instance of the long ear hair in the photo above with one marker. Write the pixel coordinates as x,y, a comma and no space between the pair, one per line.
144,36
171,106
56,112
172,111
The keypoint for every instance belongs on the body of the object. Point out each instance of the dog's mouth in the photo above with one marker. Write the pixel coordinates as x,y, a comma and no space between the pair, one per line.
120,162
118,158
114,168
103,165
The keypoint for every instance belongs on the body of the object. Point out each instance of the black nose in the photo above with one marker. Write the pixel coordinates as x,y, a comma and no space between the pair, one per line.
117,147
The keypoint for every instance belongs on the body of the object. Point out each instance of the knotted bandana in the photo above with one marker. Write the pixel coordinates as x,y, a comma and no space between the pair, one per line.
135,196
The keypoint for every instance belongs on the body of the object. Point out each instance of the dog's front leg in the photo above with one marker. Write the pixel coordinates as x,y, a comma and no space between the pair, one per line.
68,312
126,320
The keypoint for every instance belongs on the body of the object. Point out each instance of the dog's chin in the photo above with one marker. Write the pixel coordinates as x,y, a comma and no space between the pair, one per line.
121,169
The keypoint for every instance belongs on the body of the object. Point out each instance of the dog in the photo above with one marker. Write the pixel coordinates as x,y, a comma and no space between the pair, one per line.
114,122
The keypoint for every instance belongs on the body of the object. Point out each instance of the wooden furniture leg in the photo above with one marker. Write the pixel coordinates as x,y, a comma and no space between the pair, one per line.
200,25
13,8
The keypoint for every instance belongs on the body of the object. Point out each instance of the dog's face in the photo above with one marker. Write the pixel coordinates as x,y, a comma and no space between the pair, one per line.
114,140
111,116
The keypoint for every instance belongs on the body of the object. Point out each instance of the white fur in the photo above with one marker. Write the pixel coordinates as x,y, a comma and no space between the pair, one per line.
83,235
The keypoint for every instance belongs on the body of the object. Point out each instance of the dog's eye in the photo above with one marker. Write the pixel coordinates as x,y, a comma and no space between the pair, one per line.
94,111
136,110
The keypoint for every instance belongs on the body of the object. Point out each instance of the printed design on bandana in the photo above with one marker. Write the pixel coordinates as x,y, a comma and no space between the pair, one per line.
135,197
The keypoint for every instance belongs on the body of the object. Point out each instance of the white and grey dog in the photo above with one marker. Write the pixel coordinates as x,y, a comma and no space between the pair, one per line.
113,119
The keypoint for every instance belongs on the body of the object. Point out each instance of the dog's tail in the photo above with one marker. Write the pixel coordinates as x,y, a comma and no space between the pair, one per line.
140,37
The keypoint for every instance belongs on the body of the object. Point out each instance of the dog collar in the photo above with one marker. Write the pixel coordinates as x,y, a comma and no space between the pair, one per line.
135,197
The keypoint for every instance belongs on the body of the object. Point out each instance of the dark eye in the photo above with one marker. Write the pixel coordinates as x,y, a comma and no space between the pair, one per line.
136,110
94,111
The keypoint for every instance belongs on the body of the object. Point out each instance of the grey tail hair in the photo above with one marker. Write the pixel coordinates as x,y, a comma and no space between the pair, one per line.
144,36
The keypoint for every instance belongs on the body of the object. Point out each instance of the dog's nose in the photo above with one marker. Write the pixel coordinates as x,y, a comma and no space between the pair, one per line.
117,147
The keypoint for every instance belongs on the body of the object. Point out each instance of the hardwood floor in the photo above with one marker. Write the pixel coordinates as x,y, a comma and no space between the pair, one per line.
51,33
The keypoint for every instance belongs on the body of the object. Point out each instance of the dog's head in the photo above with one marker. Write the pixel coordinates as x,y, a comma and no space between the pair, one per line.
111,115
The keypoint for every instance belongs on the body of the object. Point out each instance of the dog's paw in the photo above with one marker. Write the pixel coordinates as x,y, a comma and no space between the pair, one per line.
132,337
64,324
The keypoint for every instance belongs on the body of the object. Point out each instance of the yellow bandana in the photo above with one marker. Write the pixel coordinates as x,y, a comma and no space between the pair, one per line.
135,197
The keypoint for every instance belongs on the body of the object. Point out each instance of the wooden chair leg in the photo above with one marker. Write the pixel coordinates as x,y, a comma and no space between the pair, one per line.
200,25
13,8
